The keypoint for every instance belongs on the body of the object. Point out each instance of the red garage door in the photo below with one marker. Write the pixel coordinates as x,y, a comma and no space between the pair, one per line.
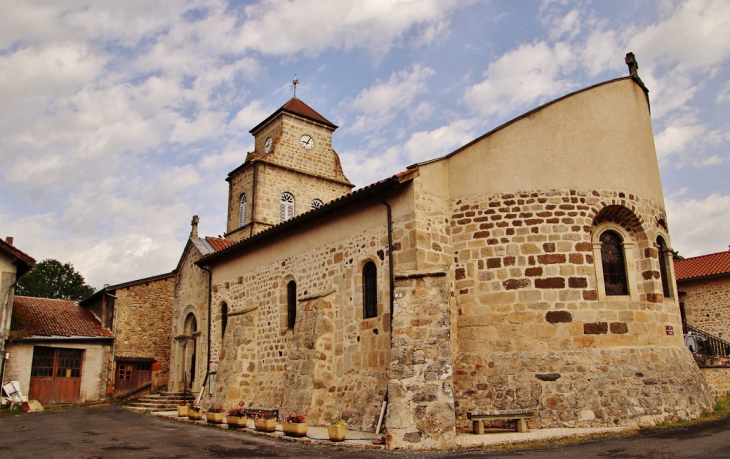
55,375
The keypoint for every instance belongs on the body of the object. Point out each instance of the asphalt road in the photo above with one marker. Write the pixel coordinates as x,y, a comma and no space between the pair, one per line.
110,432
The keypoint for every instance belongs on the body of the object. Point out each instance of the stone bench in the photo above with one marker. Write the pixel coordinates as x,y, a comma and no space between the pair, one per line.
519,416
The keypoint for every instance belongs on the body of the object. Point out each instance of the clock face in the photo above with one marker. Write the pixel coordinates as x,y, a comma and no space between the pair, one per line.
267,145
307,141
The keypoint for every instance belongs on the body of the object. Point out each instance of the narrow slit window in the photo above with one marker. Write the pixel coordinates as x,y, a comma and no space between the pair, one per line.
370,290
224,319
291,304
663,254
614,266
242,211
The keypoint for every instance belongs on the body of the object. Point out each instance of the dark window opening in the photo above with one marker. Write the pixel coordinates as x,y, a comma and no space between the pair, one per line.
291,304
224,319
370,290
614,267
662,247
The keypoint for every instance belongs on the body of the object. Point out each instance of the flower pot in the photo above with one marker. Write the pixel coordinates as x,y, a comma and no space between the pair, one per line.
294,429
236,421
265,425
182,410
195,415
215,418
337,432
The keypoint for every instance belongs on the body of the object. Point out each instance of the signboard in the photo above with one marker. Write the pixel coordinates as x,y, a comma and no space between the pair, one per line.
670,330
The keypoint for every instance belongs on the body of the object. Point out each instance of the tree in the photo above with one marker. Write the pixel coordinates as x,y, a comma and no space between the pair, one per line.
51,279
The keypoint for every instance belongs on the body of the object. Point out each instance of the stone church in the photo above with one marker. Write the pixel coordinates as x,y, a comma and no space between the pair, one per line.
530,268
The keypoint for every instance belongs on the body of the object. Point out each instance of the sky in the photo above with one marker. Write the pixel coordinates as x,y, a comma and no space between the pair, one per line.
120,120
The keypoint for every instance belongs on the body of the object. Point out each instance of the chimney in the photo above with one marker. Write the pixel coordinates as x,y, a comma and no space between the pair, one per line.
194,224
9,240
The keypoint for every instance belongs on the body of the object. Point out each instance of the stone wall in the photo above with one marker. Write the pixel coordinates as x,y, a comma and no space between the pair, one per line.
534,328
191,297
333,364
144,324
718,379
420,392
707,304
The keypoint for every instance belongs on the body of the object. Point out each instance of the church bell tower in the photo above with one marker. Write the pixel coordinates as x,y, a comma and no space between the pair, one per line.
292,170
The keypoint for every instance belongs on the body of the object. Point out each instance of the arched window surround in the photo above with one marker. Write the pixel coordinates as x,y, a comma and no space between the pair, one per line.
287,303
629,249
286,207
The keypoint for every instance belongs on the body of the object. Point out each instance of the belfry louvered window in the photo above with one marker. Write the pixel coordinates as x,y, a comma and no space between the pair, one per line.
317,203
286,207
242,211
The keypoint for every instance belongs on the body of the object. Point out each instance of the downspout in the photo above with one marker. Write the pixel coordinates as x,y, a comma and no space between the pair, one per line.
390,256
392,295
114,343
210,317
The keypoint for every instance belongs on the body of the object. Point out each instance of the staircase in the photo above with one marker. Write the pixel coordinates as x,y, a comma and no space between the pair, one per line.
162,401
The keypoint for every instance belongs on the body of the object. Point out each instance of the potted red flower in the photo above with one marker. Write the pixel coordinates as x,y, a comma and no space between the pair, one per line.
236,417
182,409
215,415
294,425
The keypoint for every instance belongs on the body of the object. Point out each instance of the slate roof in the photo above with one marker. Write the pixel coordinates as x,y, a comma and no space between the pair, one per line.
28,262
34,317
296,107
702,266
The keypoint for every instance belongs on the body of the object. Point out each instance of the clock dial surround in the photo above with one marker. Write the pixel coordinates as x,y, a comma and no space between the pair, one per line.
307,142
268,144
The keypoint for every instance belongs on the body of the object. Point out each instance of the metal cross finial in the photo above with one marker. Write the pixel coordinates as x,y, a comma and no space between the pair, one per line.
295,83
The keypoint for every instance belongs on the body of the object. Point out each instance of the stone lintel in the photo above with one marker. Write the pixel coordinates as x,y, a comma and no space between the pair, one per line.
316,296
243,311
435,271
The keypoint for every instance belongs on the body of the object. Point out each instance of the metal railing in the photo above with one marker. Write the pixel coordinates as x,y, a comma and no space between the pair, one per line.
716,346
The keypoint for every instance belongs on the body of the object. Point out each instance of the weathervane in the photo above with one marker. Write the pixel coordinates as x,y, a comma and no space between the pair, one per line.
294,85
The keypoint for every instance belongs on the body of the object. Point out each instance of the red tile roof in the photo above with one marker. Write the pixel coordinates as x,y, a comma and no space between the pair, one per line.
704,265
296,107
46,317
217,243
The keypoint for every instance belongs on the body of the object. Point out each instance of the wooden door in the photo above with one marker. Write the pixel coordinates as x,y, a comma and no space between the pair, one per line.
131,375
55,375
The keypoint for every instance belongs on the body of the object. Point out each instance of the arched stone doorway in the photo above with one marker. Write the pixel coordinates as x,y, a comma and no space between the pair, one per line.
188,354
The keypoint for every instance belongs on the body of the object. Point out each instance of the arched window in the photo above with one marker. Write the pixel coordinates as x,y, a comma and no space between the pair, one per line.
291,304
191,324
370,290
316,204
614,266
224,319
663,254
286,207
242,211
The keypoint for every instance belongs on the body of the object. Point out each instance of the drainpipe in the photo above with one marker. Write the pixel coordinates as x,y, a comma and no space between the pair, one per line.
392,293
390,256
114,343
210,317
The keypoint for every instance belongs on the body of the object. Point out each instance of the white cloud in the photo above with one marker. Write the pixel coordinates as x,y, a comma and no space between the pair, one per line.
522,77
282,27
695,36
699,226
676,138
379,103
